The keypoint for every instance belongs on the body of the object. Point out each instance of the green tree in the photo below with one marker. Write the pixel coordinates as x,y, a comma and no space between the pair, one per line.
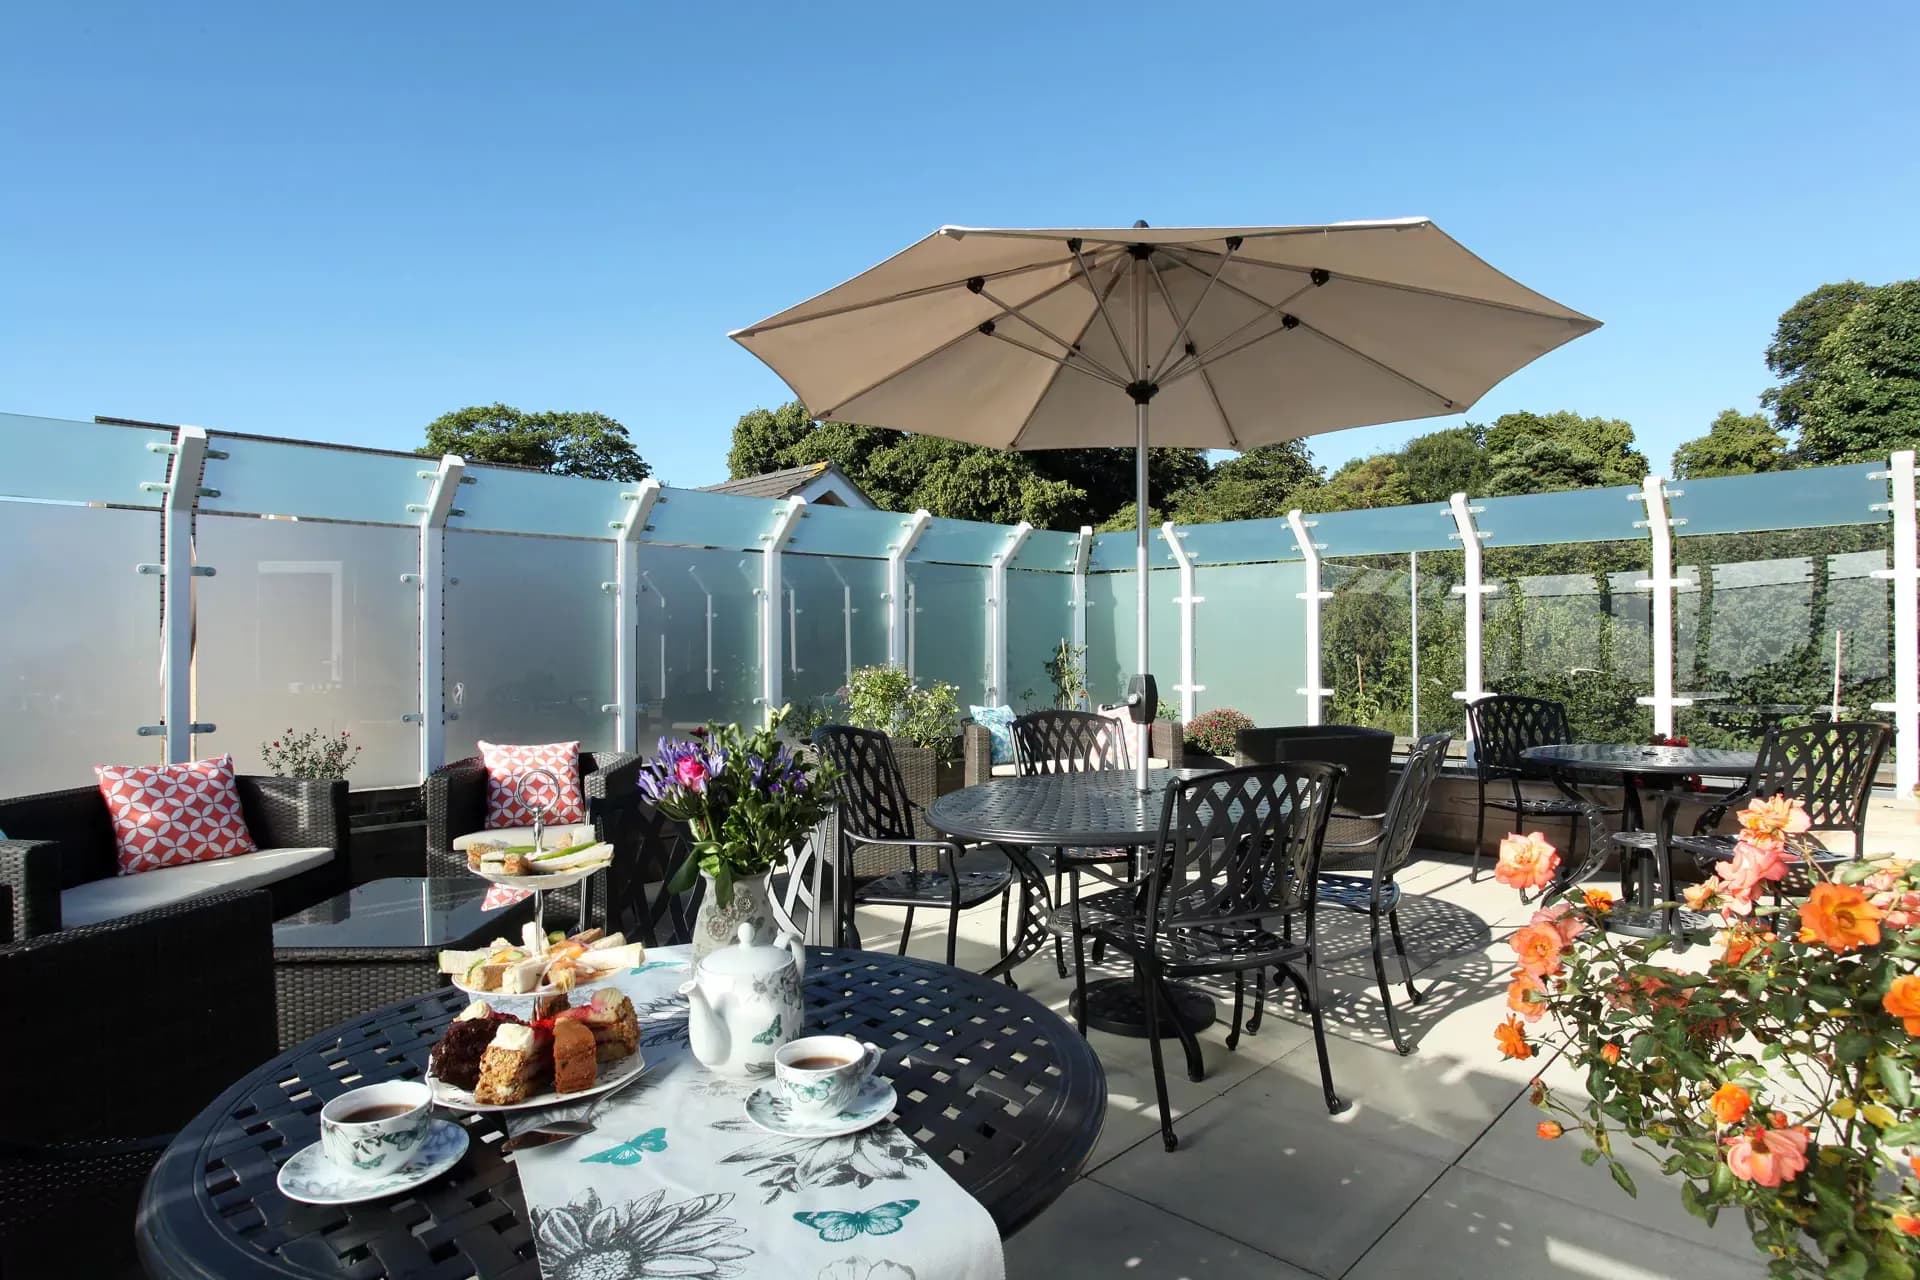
1794,355
1575,451
1363,483
567,444
1863,399
1442,463
1265,481
1737,444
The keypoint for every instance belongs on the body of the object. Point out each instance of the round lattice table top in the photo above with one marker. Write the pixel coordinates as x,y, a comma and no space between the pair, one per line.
1103,807
1619,757
1006,1095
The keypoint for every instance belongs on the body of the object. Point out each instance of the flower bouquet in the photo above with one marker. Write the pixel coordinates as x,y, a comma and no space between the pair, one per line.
748,798
1778,1081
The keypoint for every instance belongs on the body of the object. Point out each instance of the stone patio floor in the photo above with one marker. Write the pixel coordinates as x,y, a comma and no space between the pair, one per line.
1435,1171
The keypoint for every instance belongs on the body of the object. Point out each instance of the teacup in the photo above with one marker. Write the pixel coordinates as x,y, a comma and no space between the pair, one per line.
821,1075
378,1128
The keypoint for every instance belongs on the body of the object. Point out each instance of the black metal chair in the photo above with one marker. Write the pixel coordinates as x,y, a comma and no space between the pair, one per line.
879,853
1503,726
1360,807
1239,853
1828,767
1378,895
637,899
1075,742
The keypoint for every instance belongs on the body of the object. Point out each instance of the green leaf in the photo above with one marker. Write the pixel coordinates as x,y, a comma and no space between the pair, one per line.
1620,1175
1691,1201
1895,1076
1849,1266
1901,1135
1589,1155
686,874
1852,1046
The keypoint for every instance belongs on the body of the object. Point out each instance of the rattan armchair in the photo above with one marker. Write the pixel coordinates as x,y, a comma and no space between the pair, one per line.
183,997
60,839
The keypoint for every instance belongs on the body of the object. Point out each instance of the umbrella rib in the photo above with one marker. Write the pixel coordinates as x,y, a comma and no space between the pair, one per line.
767,326
1323,335
1386,284
1233,246
1233,437
925,356
1072,349
1188,363
1100,300
1095,372
1047,390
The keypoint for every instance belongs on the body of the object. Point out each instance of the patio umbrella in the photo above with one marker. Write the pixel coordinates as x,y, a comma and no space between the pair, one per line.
1210,338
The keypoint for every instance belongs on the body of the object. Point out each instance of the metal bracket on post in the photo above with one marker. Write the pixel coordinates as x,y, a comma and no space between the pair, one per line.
1473,591
433,522
1659,527
771,632
1905,576
626,572
1310,550
997,612
176,591
911,530
1188,634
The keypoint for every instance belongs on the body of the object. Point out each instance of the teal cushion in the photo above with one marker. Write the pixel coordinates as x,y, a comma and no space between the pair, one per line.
998,722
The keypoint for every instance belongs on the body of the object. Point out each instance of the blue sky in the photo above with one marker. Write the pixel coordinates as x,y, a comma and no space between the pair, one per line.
338,221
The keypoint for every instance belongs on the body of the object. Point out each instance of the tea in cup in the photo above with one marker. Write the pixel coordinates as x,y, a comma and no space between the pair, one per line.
378,1128
820,1076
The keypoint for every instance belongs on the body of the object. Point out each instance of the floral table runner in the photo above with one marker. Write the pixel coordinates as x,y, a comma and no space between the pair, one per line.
676,1181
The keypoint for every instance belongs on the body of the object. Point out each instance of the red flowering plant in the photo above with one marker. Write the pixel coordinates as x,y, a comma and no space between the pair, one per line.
1779,1081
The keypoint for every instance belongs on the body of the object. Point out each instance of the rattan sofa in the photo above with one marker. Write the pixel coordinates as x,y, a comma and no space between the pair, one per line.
59,868
135,1025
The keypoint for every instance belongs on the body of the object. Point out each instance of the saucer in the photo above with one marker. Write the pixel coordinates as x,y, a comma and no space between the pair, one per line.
311,1178
874,1103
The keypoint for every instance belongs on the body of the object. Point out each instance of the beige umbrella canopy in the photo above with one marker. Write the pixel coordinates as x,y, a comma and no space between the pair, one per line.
1211,338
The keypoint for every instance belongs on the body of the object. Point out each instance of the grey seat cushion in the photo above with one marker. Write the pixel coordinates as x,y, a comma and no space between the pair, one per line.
117,896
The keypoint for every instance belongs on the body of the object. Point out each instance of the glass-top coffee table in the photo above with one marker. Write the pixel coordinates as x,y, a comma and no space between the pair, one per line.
377,943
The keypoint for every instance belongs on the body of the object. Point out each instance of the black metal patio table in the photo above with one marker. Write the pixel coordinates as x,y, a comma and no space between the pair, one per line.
1099,809
1658,771
1006,1096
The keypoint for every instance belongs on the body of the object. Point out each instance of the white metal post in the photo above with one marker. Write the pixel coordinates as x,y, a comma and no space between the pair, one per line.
911,531
1313,595
772,634
1187,600
1082,556
1659,526
433,515
1473,591
626,629
997,613
1413,636
1905,575
176,591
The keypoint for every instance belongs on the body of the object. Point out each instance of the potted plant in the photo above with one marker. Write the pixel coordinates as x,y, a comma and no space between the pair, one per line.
1779,1082
1212,735
748,800
924,724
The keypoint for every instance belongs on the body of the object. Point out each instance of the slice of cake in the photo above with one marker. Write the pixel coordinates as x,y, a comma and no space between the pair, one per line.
574,1058
518,1061
456,1058
610,1016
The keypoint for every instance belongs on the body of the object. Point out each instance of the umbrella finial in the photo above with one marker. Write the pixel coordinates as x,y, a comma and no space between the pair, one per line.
1139,222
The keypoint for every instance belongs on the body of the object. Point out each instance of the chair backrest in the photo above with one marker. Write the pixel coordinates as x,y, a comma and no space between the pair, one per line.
1409,804
1366,754
1069,742
1828,767
867,785
1240,845
1505,724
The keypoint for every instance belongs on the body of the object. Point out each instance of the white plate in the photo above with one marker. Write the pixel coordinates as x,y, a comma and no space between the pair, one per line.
493,996
874,1103
311,1178
546,880
612,1076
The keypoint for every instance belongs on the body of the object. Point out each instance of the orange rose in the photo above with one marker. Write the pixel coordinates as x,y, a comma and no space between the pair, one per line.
1740,942
1599,901
1524,985
1550,1129
1538,947
1700,896
1906,1224
1730,1104
1839,917
1563,920
1512,1039
1525,862
1610,1052
1774,817
1913,1162
1903,1002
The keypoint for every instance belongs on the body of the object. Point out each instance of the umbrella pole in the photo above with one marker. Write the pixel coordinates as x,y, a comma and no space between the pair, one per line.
1143,391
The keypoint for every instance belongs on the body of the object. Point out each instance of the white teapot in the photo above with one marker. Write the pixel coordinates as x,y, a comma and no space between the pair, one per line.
744,1003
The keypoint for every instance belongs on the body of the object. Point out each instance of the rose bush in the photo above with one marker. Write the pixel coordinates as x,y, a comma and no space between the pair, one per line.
1779,1081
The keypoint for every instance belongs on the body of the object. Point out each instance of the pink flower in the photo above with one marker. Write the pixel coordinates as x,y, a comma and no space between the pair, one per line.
1753,865
1561,919
1525,862
1768,1157
692,774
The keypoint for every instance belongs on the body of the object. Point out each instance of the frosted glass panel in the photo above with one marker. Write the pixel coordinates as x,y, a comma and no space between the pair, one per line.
63,461
1112,607
836,620
1039,617
699,639
307,626
281,477
1250,623
529,641
1569,624
1781,499
950,626
80,654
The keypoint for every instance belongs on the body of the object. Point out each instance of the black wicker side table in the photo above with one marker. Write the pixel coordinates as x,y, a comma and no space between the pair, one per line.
377,943
992,1084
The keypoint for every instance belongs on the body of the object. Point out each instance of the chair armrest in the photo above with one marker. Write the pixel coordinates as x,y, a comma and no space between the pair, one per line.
953,846
976,753
30,883
455,798
288,813
614,773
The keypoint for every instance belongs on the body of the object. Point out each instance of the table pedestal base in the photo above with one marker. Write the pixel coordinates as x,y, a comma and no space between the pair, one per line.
1119,1006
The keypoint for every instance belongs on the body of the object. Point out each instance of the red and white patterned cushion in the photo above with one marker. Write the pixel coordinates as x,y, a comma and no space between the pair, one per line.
505,767
168,815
